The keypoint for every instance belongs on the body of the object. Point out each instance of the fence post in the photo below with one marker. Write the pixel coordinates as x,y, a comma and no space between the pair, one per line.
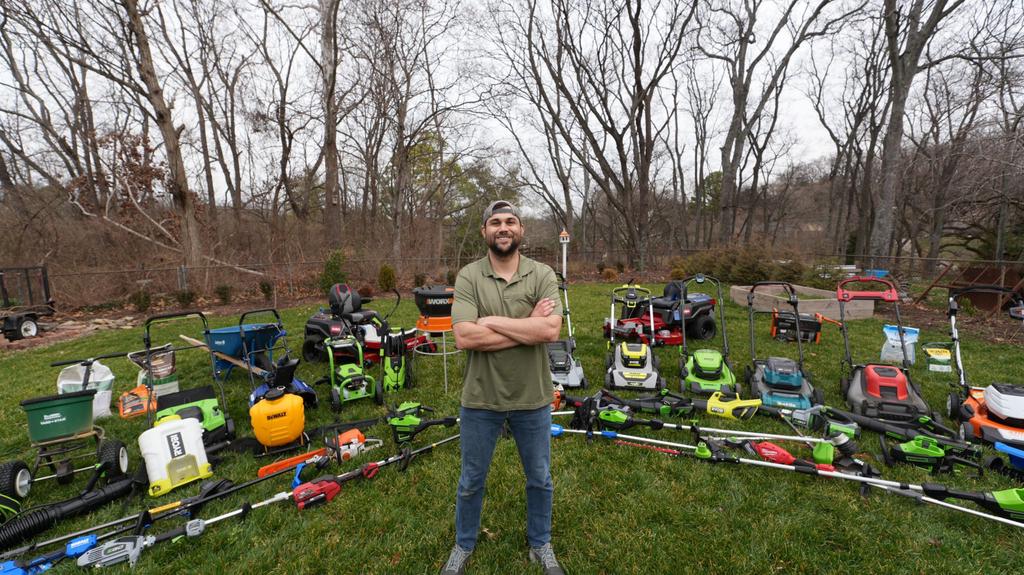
182,278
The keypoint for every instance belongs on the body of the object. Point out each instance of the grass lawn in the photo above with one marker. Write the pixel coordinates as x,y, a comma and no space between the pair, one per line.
617,509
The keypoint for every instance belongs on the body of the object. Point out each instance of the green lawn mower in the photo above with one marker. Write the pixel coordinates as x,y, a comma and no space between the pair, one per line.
632,365
707,371
349,380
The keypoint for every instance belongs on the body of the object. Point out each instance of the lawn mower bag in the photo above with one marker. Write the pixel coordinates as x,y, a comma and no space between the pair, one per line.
884,392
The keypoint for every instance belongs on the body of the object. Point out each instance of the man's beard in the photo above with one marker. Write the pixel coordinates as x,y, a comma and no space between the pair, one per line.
503,252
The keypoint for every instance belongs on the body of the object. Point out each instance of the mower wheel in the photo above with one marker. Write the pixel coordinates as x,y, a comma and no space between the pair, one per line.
335,400
844,386
661,384
378,392
608,381
953,405
310,353
609,359
818,397
738,389
966,431
703,327
115,453
657,362
583,383
15,480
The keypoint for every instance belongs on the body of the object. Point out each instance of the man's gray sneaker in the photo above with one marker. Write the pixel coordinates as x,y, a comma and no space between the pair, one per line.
456,564
545,555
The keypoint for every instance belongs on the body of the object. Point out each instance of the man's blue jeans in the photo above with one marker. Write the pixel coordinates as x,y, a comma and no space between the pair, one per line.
479,430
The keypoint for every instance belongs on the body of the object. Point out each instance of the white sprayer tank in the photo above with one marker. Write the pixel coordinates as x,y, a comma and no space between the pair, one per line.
174,454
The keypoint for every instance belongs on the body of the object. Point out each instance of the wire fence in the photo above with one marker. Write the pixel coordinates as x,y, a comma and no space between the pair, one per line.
112,286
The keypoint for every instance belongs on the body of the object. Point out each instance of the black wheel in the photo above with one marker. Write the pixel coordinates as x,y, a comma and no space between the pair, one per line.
335,400
657,362
310,353
262,360
818,397
702,327
115,453
844,387
583,383
953,405
378,392
739,389
28,327
966,431
15,480
661,384
608,381
609,359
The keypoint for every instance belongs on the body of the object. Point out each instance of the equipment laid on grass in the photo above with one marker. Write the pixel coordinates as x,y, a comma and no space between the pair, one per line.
1006,506
349,380
631,365
313,493
24,298
199,403
346,316
339,448
780,381
209,491
706,371
674,312
174,453
60,428
879,391
994,413
927,452
784,326
406,423
939,355
566,370
278,421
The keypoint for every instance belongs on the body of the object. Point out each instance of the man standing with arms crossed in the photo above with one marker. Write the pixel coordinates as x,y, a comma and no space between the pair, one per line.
506,309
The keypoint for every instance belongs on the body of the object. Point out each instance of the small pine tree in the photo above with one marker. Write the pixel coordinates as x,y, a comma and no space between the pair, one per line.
333,272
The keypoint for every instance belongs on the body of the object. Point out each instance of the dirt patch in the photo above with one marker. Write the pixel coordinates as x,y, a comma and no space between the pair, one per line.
994,329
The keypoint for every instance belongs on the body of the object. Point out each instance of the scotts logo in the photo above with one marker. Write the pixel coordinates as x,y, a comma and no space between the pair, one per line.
439,300
175,445
278,415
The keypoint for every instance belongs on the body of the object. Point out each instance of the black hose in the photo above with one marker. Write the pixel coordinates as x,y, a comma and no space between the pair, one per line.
28,525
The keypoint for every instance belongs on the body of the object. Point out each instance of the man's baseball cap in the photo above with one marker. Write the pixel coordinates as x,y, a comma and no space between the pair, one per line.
500,207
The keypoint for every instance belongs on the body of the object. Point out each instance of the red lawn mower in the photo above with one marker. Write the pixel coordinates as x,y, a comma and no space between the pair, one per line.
994,413
878,391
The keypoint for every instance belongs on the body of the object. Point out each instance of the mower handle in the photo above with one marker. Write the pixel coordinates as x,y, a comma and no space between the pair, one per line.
887,295
86,361
788,287
631,287
270,310
1015,311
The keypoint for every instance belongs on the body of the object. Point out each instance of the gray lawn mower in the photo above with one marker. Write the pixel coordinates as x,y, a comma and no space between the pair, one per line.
632,365
566,371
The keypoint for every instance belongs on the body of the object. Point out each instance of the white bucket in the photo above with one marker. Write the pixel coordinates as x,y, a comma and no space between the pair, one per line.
100,378
174,454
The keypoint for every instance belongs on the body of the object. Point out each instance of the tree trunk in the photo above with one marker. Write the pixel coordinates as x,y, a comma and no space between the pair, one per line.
329,56
177,181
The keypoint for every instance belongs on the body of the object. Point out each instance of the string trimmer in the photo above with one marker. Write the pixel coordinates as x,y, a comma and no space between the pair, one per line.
406,423
1006,506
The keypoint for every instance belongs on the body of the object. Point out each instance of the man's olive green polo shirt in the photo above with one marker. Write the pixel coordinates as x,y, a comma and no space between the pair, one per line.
518,377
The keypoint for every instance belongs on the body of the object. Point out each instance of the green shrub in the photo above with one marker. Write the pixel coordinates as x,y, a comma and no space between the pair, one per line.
386,278
140,300
185,298
420,279
450,277
223,294
333,272
267,289
790,270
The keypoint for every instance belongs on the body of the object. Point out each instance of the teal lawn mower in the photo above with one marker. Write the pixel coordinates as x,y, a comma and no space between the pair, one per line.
706,371
780,381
